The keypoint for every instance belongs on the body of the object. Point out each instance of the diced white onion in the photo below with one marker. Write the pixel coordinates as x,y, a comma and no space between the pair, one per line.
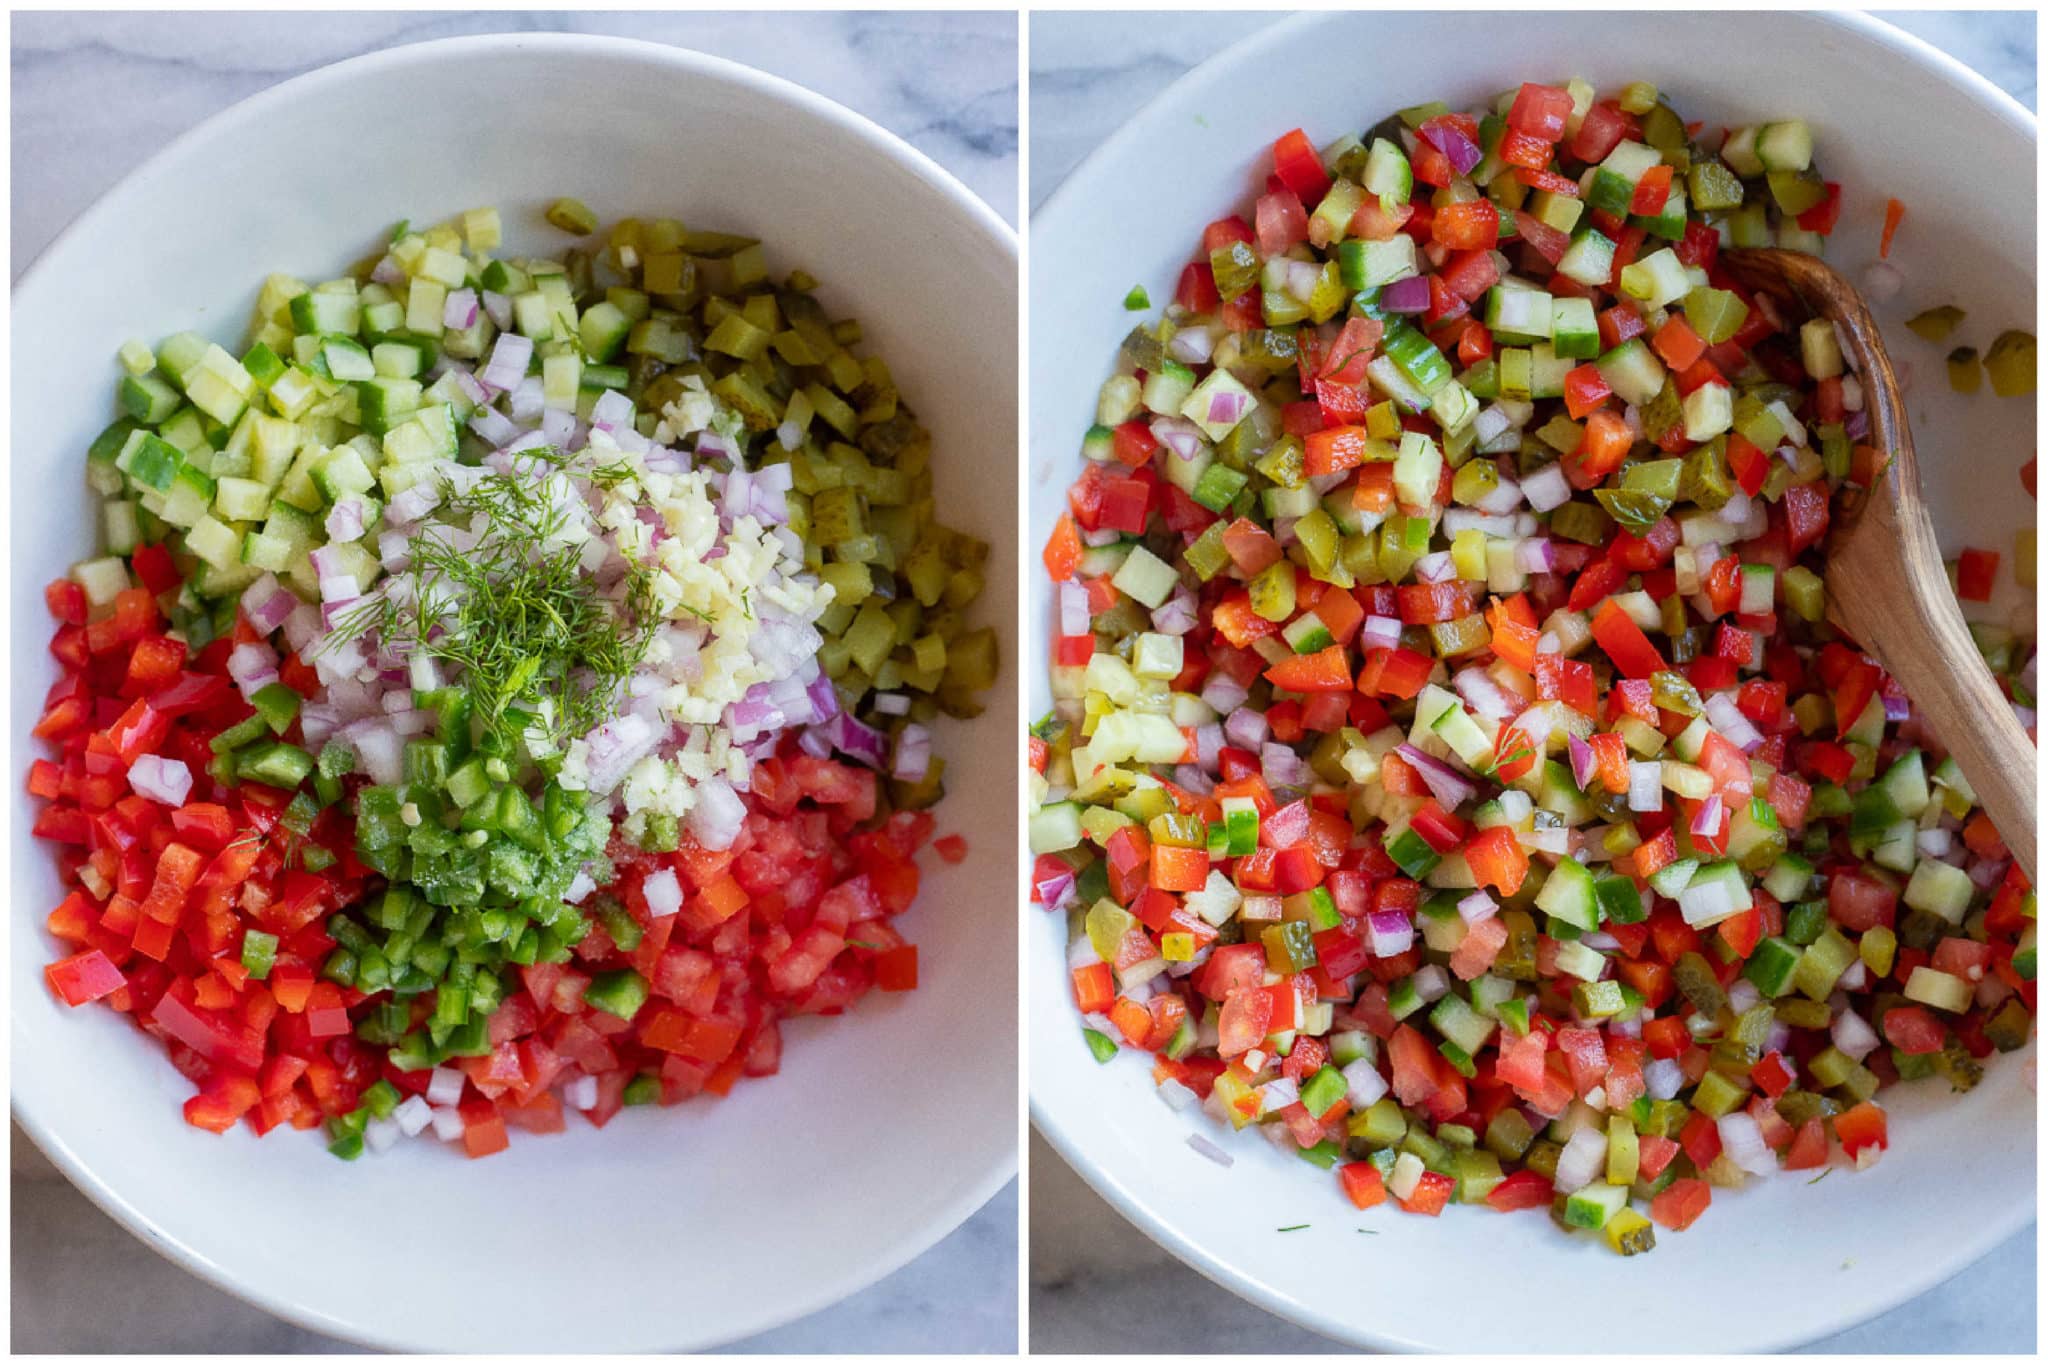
1584,1157
444,1086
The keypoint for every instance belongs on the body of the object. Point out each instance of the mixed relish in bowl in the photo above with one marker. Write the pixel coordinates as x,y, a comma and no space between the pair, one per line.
507,687
1451,772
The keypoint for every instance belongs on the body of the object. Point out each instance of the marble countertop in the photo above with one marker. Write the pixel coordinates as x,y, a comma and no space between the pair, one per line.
1097,1283
945,82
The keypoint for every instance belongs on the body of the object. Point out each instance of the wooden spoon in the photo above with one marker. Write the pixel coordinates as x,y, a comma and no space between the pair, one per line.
1886,587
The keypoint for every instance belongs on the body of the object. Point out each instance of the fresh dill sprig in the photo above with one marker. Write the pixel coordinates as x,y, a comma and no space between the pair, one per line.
518,615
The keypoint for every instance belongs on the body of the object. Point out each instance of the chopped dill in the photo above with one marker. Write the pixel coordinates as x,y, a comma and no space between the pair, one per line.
1295,1228
1822,1176
521,618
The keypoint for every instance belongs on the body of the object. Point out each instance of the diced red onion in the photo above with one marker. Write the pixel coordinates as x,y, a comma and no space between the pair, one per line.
1388,933
558,425
267,603
1363,1084
1179,435
1380,632
1192,345
1727,718
253,667
509,358
1436,567
1281,766
1449,139
387,271
1986,873
1856,425
459,312
1853,1035
1074,618
1177,615
493,426
1226,406
499,308
615,747
1223,693
1535,555
1585,763
1446,784
1101,536
1206,1148
529,400
167,780
611,410
1706,821
913,754
1056,891
1663,1077
1245,728
411,504
1476,907
345,519
1406,296
1546,488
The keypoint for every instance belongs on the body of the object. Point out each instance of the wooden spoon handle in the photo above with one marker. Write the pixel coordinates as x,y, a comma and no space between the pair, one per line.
1916,632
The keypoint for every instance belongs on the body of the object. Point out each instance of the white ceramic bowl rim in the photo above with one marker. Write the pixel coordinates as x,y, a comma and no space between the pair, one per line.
1286,36
795,1300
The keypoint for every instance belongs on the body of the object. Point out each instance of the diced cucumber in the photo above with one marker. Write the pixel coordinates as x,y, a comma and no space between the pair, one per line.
1939,889
1782,146
147,398
1574,329
1569,894
1589,259
1387,172
1632,371
342,472
1369,265
1739,151
326,311
1167,388
1658,280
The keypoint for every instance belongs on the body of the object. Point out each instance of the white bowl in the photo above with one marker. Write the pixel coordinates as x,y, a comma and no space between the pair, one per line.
1770,1266
674,1228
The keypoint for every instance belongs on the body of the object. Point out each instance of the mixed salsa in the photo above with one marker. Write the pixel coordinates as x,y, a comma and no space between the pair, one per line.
508,687
1451,773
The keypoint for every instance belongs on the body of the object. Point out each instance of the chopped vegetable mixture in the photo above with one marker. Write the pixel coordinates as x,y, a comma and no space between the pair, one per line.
1451,773
507,688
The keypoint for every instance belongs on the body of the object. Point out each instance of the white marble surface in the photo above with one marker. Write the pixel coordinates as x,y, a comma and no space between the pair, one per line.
945,82
1097,1283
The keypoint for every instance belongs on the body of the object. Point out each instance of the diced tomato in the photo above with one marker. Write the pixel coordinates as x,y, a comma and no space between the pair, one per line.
1300,167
